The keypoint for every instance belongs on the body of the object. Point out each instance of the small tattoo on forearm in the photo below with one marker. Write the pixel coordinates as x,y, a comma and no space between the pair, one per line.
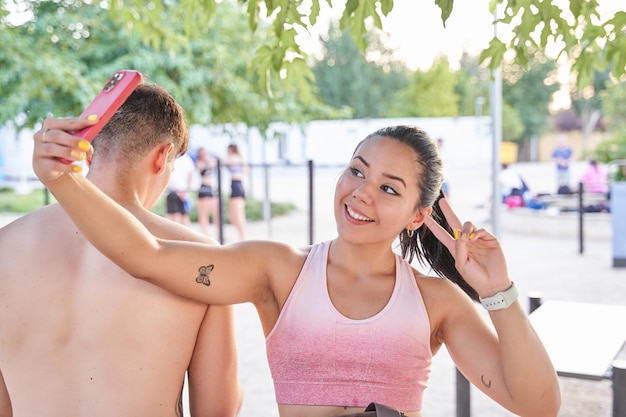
204,272
486,384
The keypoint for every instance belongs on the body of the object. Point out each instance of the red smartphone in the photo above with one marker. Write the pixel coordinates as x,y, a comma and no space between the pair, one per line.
110,98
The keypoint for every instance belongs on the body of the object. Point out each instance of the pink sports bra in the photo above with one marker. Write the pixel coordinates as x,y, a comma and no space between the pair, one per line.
317,356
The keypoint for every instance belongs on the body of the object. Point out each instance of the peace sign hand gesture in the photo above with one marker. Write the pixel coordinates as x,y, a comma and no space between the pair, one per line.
477,253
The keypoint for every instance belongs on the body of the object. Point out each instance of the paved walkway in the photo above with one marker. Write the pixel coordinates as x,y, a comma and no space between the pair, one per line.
550,265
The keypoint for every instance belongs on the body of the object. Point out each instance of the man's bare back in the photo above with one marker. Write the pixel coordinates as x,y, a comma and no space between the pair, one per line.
78,336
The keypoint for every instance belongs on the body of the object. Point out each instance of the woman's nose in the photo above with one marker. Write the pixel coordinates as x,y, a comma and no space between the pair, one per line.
363,192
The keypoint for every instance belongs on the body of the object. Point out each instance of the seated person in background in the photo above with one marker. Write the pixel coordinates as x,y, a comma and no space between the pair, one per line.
512,185
595,178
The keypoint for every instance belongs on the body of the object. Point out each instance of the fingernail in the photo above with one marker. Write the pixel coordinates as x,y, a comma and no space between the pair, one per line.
77,168
84,145
456,234
78,155
92,117
471,236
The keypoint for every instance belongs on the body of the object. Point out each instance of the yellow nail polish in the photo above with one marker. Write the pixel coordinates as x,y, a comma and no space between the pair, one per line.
78,155
456,234
471,236
93,117
77,168
84,145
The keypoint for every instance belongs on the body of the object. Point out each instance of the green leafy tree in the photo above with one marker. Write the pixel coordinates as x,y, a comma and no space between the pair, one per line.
512,126
345,78
612,99
430,93
67,50
590,41
586,103
472,86
529,92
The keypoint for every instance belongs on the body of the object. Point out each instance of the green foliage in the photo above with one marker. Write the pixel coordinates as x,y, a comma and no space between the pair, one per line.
472,85
430,93
254,209
613,151
512,126
42,58
346,80
612,100
528,92
10,202
590,41
210,74
613,148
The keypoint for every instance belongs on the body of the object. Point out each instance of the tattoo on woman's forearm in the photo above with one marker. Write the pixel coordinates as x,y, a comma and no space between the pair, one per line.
486,384
204,272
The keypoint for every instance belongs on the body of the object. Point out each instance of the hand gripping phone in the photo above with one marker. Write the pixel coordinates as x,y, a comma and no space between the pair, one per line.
110,98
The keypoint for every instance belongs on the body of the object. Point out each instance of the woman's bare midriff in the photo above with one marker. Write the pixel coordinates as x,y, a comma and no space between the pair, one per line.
325,411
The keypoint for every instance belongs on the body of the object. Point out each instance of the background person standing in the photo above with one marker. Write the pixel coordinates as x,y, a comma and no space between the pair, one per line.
237,202
562,156
181,182
208,201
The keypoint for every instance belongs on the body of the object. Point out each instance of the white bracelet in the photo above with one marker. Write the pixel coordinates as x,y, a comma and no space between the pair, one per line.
501,300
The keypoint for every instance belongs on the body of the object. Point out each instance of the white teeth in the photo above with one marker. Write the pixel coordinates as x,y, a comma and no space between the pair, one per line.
357,216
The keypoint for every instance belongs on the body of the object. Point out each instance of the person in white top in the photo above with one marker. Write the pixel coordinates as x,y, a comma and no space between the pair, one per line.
179,190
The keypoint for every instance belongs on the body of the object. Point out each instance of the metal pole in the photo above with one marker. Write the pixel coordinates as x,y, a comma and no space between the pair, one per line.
220,203
311,201
496,118
267,208
534,302
619,388
463,405
581,212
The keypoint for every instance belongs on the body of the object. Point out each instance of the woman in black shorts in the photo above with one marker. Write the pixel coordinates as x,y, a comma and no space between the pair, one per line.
208,203
237,202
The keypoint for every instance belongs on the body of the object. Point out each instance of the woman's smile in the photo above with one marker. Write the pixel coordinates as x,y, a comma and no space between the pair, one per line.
353,214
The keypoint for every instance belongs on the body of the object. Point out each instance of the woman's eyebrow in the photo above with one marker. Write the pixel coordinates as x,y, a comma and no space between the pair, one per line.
390,176
360,158
396,178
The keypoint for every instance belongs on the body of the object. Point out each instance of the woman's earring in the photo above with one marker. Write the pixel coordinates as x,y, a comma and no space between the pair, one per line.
410,233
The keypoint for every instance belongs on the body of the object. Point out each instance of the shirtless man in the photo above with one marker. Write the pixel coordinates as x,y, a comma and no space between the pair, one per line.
77,336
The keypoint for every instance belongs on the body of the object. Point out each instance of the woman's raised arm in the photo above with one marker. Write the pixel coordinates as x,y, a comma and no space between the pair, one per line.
207,273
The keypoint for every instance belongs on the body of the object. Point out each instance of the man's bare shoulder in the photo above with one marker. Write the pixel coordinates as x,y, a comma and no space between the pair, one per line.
39,221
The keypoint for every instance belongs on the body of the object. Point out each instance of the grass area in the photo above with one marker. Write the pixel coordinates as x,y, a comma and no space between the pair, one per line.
10,202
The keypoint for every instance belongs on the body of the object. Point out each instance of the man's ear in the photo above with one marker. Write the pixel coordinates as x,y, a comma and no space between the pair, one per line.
418,218
162,157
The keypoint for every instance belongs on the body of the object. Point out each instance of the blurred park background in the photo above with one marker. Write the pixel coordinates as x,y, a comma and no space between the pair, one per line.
296,82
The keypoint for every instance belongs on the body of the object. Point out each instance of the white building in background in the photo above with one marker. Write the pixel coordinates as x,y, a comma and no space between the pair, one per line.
325,142
331,142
